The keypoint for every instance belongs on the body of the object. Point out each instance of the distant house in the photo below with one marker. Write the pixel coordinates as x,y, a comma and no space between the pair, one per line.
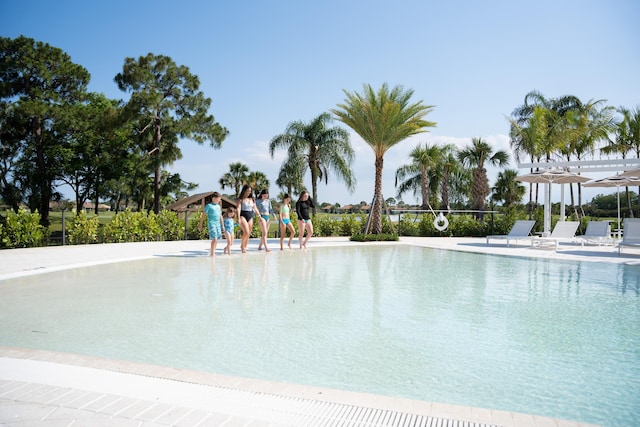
197,202
327,208
89,206
346,209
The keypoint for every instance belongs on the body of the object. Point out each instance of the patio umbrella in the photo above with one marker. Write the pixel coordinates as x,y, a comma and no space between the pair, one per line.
551,176
635,173
615,181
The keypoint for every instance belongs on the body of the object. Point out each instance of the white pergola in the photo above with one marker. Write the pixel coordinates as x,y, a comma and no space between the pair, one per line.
577,166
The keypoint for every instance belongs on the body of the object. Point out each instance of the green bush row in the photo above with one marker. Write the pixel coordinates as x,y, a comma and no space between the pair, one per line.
23,229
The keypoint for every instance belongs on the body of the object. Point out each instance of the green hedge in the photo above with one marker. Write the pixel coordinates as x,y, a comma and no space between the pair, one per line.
24,230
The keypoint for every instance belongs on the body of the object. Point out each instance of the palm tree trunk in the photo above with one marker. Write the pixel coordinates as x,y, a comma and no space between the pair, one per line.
376,207
445,192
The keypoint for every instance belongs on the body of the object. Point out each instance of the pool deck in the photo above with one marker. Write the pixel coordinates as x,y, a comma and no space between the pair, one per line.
39,387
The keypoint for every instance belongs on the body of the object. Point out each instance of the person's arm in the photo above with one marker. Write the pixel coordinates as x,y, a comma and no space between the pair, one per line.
298,210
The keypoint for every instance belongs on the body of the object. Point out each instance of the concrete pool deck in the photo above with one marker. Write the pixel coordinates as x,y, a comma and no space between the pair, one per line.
39,387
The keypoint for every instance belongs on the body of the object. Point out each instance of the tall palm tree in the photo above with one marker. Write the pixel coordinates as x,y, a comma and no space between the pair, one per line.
235,178
475,156
527,133
416,176
589,123
507,189
318,147
290,178
447,166
382,119
258,181
540,128
627,139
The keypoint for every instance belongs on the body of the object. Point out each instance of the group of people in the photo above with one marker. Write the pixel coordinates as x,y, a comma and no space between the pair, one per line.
260,208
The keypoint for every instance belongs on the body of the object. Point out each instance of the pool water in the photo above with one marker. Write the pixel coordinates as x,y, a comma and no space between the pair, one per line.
559,339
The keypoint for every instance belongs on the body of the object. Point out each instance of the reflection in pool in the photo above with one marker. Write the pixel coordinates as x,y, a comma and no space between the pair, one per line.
560,339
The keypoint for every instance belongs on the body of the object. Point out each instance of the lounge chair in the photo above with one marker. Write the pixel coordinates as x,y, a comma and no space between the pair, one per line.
597,233
631,233
564,231
520,230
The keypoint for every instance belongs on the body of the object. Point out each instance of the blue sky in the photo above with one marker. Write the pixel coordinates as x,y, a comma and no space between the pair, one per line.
267,63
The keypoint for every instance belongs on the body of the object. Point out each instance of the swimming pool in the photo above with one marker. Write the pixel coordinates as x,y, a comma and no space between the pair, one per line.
558,339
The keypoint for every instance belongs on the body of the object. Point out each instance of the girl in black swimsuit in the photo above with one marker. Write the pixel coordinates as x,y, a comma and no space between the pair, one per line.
303,205
247,208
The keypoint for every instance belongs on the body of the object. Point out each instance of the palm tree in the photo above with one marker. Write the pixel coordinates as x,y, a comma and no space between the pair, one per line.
590,123
475,156
416,176
235,178
382,119
290,178
258,181
540,128
318,147
507,189
627,139
447,166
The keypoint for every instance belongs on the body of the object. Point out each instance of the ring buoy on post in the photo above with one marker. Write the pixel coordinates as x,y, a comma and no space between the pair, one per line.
441,222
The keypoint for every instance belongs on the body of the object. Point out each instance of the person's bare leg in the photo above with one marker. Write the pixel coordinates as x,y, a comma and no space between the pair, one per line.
301,227
292,234
309,228
283,229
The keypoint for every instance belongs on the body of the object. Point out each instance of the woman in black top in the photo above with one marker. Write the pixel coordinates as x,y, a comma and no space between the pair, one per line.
303,205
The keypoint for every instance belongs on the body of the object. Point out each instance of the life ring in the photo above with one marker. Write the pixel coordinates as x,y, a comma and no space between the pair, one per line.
441,222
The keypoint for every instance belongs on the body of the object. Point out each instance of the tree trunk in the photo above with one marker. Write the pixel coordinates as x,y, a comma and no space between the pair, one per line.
424,188
314,191
156,181
376,207
43,182
445,192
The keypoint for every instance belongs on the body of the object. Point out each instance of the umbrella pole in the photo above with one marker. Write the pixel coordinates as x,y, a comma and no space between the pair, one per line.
562,208
547,209
618,191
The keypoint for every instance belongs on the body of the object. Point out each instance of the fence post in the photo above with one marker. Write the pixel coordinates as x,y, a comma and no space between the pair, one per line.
64,228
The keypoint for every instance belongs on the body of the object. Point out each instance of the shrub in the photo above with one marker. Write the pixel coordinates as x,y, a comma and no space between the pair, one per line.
171,227
349,225
408,227
82,229
324,226
23,230
384,237
130,226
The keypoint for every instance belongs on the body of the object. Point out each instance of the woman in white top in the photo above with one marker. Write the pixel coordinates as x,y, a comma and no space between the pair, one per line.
248,210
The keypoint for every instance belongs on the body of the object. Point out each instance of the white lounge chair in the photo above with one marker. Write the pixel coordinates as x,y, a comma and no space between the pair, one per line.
564,231
631,233
597,233
520,230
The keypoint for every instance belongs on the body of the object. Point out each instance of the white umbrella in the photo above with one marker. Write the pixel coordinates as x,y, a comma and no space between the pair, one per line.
615,181
551,176
632,173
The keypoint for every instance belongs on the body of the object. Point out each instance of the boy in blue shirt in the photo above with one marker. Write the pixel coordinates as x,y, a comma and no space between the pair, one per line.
213,212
